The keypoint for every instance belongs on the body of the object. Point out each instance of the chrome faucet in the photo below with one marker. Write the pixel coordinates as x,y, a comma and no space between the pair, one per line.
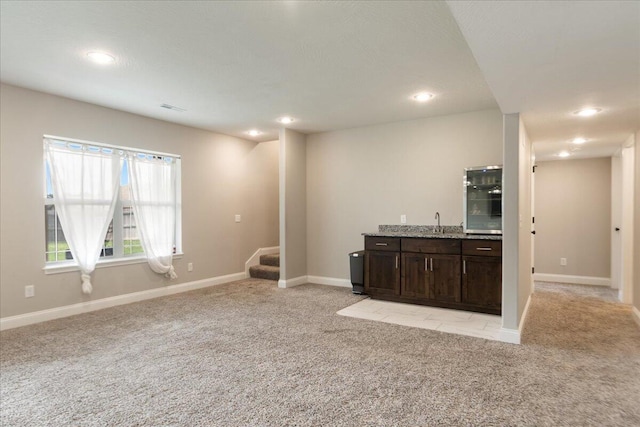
438,228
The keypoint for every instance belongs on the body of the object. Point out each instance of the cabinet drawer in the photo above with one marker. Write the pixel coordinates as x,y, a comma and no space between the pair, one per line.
482,247
431,246
382,243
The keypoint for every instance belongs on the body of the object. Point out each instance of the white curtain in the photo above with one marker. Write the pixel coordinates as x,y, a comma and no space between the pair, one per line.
153,196
85,182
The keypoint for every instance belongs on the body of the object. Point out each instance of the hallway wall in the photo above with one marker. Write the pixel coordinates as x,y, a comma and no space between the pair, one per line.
573,217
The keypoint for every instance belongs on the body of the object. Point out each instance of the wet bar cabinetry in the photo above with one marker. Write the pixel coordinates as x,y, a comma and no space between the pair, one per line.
482,273
382,266
443,272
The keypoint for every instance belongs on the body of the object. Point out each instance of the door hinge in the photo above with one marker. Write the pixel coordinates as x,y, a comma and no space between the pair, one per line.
533,270
533,219
534,168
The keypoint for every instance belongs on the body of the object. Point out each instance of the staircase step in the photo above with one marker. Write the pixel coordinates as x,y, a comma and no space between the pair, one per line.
272,259
267,272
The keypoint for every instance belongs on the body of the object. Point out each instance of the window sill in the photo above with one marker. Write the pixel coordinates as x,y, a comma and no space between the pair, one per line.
66,267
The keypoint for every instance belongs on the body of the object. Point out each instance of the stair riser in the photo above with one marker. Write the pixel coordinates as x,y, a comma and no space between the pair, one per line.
259,272
273,260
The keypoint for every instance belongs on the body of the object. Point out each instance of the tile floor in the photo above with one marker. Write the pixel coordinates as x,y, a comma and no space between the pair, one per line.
455,321
477,325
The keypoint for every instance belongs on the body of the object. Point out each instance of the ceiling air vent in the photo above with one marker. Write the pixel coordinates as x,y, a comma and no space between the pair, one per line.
172,107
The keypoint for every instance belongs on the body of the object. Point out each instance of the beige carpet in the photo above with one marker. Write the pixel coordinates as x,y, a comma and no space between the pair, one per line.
250,354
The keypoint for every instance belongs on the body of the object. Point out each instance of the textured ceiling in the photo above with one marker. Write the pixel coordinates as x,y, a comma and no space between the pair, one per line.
548,59
236,66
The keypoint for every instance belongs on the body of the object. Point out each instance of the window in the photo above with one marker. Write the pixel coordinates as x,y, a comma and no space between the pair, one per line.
121,239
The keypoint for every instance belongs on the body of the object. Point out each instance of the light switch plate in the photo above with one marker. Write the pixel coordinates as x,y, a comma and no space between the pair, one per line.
403,219
238,218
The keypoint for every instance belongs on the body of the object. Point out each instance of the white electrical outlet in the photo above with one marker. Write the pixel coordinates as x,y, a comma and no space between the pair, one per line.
190,266
563,261
403,219
29,291
238,218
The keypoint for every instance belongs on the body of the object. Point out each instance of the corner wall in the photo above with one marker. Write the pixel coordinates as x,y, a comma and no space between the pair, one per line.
221,176
516,220
293,208
636,239
629,215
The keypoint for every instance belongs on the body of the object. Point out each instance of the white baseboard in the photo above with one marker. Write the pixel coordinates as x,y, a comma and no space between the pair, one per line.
290,283
85,307
331,281
255,258
576,280
511,336
636,315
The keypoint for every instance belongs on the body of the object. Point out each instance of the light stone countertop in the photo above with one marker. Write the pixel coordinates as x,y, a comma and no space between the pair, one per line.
428,231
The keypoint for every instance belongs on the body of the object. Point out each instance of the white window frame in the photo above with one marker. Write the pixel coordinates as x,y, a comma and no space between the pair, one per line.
118,257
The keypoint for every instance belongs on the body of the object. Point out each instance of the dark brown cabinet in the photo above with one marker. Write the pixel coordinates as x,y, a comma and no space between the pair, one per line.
445,278
382,267
451,273
432,276
416,280
482,274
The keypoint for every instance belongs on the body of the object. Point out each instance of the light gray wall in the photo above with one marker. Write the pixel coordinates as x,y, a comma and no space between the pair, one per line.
525,170
616,221
636,250
360,178
628,220
573,217
516,220
510,223
293,212
221,176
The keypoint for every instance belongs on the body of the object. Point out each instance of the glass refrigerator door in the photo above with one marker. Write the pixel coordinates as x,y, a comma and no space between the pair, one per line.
483,200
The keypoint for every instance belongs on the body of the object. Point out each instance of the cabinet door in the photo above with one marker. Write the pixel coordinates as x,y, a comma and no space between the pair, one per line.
382,273
415,276
445,277
482,281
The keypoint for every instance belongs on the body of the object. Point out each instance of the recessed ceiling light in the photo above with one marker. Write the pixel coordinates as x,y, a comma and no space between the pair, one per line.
587,112
286,120
422,96
253,132
101,57
564,154
579,140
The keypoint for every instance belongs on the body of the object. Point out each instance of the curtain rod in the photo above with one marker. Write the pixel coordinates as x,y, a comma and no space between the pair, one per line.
117,147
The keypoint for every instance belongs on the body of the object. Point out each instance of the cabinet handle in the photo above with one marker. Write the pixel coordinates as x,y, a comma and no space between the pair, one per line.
431,264
382,244
396,262
426,267
464,266
483,249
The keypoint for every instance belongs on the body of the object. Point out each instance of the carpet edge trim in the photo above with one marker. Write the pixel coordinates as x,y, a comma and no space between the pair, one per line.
99,304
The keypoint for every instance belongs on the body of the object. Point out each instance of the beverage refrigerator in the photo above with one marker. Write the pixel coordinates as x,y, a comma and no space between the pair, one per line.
482,200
